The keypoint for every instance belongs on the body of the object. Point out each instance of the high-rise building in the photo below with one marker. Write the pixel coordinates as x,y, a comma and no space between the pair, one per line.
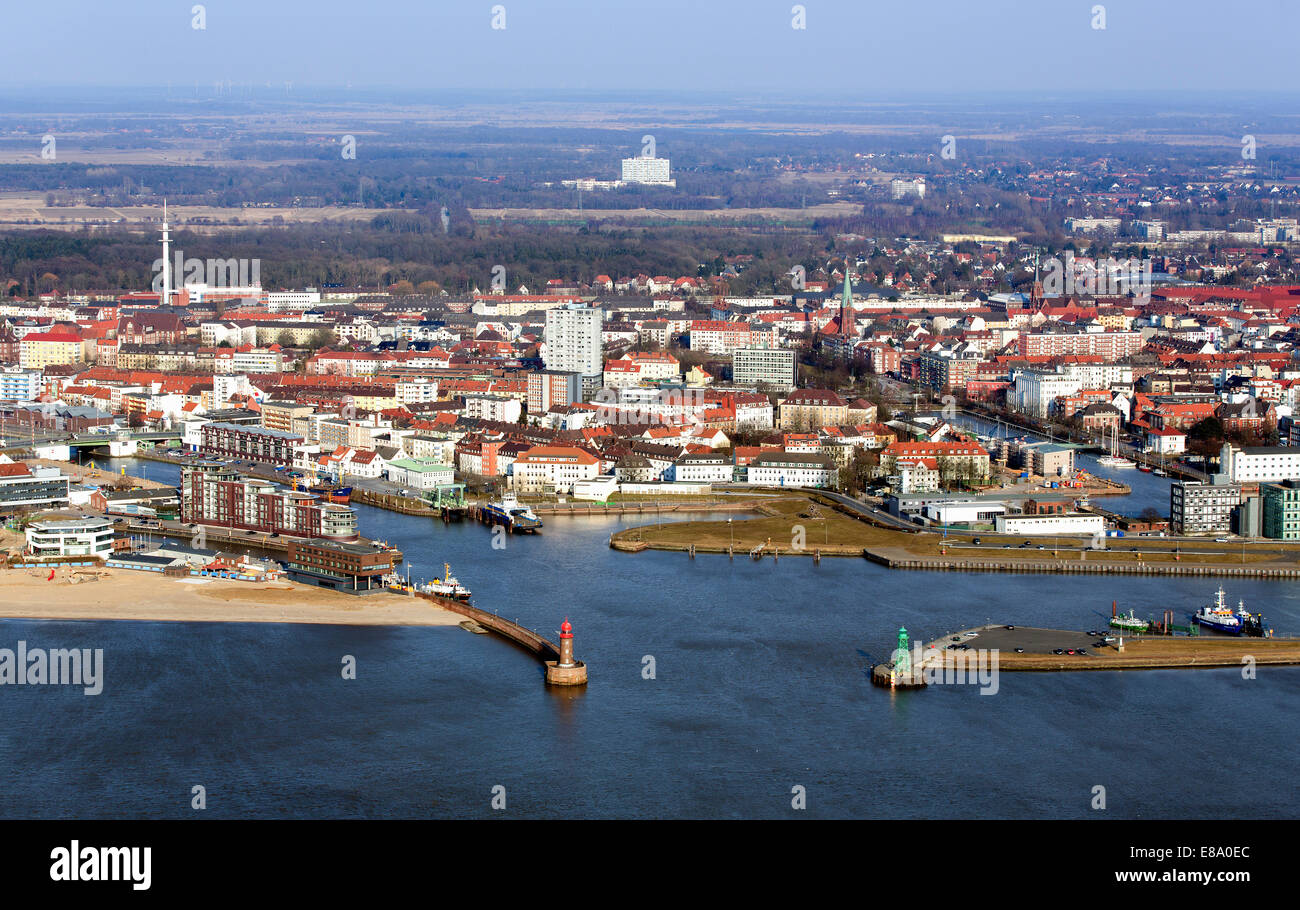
900,188
573,340
644,169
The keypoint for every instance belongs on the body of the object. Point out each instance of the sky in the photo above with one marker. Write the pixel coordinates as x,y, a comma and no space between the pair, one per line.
868,49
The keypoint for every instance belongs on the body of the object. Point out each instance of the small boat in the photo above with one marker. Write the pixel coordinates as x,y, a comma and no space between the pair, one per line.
1145,469
1114,461
447,586
1160,473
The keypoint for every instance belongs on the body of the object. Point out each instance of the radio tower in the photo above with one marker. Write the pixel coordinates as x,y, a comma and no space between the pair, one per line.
167,268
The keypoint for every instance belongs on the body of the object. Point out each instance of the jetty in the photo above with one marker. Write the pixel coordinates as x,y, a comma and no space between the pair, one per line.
562,669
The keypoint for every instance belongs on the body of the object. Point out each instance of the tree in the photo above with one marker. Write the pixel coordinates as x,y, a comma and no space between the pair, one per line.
860,471
1205,437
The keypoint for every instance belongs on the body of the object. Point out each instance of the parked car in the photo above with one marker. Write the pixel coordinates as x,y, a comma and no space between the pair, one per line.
1059,651
976,541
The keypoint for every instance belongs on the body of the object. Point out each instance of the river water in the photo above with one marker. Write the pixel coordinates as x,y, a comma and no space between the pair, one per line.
759,685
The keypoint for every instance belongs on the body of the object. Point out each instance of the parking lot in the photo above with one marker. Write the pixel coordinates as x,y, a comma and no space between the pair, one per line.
1033,641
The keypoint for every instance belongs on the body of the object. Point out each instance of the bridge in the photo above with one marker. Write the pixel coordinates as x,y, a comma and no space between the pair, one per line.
118,444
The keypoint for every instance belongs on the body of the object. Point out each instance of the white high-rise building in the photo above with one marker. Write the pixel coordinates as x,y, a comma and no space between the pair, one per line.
643,169
572,341
900,188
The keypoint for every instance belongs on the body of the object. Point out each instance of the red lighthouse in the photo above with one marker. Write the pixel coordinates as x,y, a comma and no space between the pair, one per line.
566,644
566,671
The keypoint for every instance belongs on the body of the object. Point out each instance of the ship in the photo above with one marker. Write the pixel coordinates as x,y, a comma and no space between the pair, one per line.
447,586
1112,458
1222,618
1129,623
332,492
509,512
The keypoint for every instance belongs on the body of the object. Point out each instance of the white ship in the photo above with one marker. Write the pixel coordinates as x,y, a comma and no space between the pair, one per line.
1113,459
447,586
1220,617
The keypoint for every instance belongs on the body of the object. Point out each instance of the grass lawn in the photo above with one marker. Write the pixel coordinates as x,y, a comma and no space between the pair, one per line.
830,531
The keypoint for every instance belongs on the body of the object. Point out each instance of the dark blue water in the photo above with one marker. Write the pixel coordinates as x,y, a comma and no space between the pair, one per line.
760,685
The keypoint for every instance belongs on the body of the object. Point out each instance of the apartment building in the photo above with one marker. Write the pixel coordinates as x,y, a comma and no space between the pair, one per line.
807,409
214,494
39,350
545,469
1259,464
239,441
572,340
280,415
553,389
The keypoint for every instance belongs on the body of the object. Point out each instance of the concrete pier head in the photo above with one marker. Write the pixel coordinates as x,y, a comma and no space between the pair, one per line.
566,671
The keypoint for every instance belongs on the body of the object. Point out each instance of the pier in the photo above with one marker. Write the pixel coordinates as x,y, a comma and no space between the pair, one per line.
894,558
546,651
995,648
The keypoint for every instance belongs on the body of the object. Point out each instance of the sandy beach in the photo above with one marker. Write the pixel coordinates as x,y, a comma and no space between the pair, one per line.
125,594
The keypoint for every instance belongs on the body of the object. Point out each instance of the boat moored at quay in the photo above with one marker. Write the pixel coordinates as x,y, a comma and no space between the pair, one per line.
510,513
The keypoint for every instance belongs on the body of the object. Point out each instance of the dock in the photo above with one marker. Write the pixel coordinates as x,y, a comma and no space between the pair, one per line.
1031,649
897,558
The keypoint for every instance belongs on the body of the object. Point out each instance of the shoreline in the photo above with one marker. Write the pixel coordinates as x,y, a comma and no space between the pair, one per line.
120,594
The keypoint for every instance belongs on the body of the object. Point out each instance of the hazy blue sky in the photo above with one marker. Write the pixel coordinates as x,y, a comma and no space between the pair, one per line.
866,47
